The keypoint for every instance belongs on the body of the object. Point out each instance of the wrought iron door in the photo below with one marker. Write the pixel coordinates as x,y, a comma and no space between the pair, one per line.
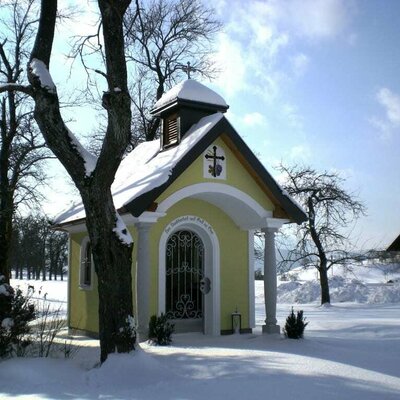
184,276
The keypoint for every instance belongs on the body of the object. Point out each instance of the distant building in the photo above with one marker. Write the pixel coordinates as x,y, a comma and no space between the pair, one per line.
395,246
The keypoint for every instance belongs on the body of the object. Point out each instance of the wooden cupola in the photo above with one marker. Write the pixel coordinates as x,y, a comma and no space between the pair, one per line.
182,106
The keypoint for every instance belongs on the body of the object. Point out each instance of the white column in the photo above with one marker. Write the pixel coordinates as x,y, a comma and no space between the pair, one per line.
252,314
143,279
270,282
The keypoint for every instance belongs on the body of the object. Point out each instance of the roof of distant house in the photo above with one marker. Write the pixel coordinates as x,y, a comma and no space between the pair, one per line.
395,246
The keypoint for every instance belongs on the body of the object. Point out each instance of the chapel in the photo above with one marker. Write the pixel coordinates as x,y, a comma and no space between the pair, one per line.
192,200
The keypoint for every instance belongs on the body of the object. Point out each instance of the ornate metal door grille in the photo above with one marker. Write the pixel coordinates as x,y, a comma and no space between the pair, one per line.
184,271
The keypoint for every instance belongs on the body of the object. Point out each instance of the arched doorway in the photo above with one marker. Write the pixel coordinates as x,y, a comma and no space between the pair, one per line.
186,283
201,233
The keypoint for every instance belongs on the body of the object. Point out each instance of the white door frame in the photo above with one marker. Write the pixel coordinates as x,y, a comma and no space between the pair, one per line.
212,324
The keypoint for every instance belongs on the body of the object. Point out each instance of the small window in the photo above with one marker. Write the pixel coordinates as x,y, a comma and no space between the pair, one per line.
86,265
171,131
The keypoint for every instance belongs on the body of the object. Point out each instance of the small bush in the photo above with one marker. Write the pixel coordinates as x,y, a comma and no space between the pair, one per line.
16,311
126,337
160,330
295,325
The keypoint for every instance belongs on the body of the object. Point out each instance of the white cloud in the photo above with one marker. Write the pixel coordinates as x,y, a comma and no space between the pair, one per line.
257,43
300,153
300,63
390,102
315,19
254,119
292,116
232,65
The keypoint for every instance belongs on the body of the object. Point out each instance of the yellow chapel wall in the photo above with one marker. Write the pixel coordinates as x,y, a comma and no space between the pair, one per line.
234,251
83,302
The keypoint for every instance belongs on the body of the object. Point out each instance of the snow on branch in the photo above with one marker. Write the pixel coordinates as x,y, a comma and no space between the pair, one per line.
89,159
122,231
15,87
40,71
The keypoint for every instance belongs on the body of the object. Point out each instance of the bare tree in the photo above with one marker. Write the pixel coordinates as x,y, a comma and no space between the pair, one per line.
321,240
163,36
111,243
36,249
56,253
22,149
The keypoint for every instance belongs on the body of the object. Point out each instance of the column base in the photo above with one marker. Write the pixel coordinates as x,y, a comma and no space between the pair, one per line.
269,329
141,336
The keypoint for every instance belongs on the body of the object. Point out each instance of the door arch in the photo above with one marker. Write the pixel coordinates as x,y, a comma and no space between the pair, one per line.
185,280
211,260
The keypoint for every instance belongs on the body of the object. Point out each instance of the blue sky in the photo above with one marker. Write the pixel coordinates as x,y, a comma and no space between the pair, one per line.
307,81
317,82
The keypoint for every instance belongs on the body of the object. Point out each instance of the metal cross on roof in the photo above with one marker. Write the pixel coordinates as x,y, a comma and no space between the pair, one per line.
188,69
214,170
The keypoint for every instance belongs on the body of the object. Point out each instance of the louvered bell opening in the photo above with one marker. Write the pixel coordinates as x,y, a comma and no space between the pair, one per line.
171,131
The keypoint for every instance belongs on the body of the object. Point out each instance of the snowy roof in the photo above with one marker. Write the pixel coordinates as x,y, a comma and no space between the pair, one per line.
147,171
146,168
193,91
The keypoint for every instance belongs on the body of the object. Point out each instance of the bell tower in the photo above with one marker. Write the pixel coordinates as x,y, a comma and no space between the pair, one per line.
182,106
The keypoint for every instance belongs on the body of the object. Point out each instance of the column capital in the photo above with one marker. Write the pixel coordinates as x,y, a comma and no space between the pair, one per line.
144,226
274,223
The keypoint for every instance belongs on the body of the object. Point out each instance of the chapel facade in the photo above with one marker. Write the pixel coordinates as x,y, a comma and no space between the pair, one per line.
192,201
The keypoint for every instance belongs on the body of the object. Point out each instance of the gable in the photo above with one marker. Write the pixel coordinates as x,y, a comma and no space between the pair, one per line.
285,207
236,176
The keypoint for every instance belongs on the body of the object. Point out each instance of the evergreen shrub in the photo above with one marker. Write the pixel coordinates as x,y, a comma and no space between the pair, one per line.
16,311
295,325
160,330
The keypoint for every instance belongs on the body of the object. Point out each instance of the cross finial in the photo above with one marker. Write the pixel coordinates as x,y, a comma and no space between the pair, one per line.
188,69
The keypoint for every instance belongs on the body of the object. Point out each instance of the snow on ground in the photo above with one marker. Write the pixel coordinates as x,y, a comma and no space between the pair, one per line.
373,284
351,351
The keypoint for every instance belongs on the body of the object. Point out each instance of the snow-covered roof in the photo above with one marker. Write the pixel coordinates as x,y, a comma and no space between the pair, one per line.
193,91
146,168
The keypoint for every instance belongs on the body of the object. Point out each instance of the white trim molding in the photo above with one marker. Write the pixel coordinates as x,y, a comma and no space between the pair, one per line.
69,283
246,212
212,322
252,306
200,188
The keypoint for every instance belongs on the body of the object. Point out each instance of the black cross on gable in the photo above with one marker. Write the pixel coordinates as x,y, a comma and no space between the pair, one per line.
214,170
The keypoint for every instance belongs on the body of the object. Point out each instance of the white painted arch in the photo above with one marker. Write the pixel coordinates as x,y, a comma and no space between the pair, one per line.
212,306
246,212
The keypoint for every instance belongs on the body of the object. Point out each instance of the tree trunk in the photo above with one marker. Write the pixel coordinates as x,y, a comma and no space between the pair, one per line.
323,278
113,263
5,235
323,263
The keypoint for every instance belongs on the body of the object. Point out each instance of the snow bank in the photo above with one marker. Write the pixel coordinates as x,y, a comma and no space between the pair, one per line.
127,371
371,288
